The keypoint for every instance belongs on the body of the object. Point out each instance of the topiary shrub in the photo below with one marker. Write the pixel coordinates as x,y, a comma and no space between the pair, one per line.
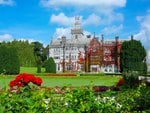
9,61
50,66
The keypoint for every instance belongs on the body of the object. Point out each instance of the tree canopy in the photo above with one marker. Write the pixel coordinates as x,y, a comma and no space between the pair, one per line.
28,52
133,57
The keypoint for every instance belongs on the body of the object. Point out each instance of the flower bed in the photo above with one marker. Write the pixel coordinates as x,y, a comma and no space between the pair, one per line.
23,80
32,98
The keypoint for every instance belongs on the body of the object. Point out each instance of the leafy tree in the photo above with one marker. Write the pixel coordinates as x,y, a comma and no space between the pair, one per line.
9,60
38,47
50,66
132,62
24,51
133,57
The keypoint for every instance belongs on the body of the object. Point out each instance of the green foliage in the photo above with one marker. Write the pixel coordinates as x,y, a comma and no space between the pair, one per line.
50,66
52,81
142,101
40,54
38,68
24,52
131,79
133,57
32,70
33,99
9,61
135,100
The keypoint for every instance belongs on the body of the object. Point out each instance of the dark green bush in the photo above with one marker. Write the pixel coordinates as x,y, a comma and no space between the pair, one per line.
50,66
133,57
9,61
131,79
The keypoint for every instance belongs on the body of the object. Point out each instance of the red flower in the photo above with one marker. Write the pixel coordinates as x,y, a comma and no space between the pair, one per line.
37,81
28,78
12,83
120,82
19,77
19,84
23,79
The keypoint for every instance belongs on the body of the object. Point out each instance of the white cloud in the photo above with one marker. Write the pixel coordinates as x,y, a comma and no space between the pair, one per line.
62,19
62,32
144,34
103,10
112,30
6,37
7,2
93,19
93,3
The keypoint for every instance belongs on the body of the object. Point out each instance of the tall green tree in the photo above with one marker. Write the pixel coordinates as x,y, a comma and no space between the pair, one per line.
133,57
39,55
24,50
9,60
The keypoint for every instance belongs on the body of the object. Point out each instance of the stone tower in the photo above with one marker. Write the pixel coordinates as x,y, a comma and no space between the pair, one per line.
77,31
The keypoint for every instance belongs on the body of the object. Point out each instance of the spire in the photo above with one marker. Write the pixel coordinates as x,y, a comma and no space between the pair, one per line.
77,26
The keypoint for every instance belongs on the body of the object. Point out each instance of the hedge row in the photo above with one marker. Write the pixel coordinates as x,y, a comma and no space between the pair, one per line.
9,61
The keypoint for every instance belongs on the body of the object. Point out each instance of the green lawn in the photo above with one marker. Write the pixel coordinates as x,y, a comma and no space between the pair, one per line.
50,81
32,70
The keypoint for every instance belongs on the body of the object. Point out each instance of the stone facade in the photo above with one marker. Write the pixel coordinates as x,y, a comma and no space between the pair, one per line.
84,53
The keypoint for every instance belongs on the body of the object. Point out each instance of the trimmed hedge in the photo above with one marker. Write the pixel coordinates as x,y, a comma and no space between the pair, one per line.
9,61
50,66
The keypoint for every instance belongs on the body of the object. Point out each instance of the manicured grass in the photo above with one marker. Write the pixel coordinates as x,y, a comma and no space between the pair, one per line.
80,80
32,70
50,81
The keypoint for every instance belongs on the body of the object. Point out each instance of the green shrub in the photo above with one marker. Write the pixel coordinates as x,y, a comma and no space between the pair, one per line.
142,102
50,66
130,79
133,57
9,60
74,100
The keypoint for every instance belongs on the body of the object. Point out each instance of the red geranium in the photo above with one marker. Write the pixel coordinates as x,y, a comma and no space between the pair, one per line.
12,83
24,79
37,81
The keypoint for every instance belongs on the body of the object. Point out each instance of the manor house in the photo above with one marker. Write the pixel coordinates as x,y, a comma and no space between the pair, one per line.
81,53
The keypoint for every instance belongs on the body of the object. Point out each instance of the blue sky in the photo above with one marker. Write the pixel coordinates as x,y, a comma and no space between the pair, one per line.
42,20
